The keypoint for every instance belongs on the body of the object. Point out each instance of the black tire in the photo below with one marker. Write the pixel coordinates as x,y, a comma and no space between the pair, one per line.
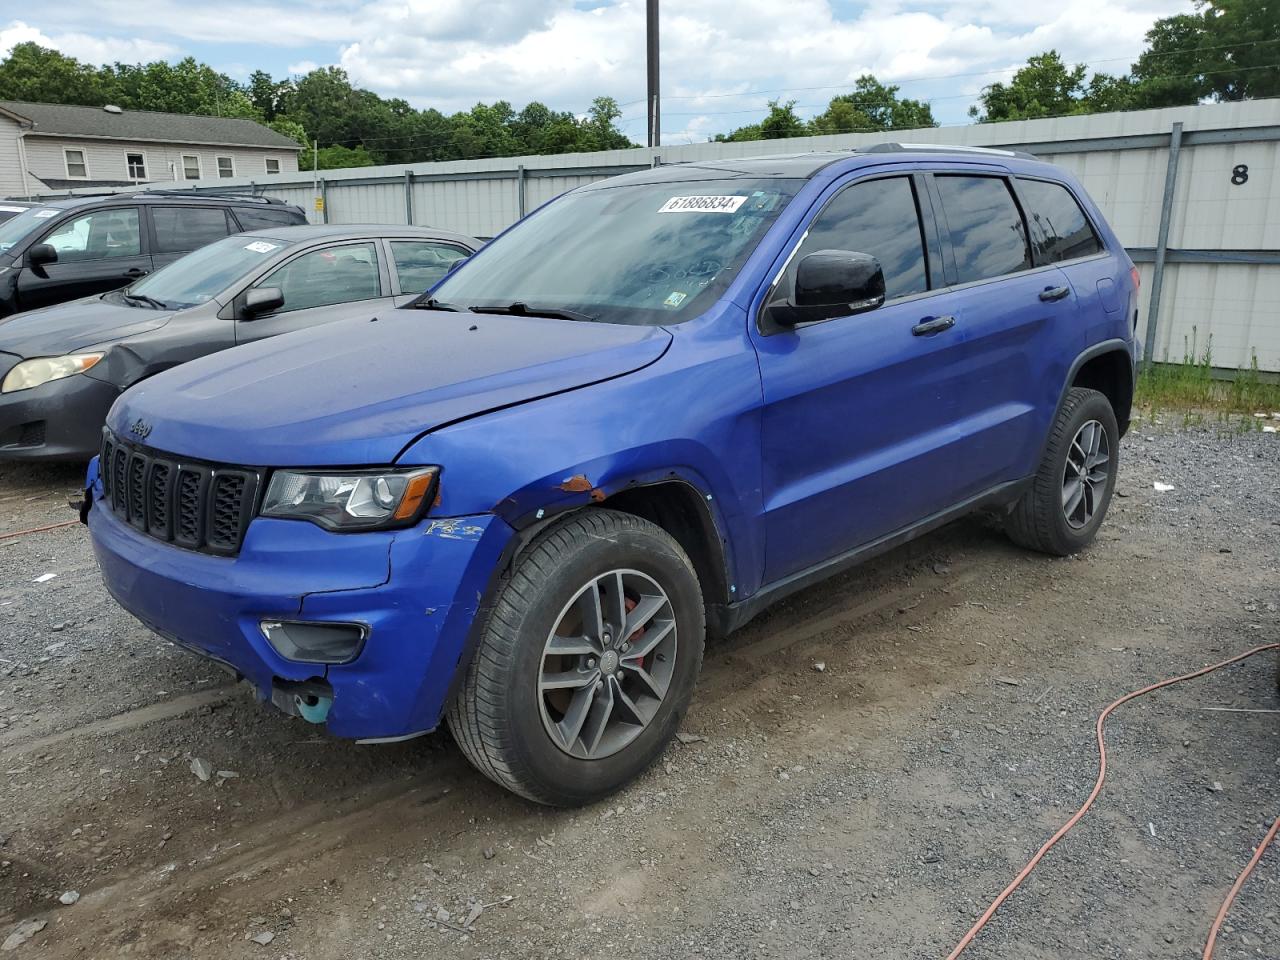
496,717
1038,521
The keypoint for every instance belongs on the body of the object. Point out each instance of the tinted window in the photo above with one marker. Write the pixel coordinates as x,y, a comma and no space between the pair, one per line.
100,235
258,218
986,228
1059,228
420,263
878,218
330,275
182,229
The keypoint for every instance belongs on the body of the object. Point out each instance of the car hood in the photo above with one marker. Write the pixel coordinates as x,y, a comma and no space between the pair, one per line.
358,392
67,327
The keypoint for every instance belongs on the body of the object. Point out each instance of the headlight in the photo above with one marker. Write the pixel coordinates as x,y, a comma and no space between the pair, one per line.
358,500
33,373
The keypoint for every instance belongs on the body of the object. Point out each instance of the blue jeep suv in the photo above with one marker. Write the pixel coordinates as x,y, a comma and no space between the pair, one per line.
640,415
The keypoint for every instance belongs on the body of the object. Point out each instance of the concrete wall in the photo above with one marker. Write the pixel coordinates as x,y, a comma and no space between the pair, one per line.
106,159
1221,276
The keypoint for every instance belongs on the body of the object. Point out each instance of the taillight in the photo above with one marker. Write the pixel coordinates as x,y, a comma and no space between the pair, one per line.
1137,280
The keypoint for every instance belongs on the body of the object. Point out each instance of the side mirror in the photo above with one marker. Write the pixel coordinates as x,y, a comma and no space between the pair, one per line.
832,283
42,253
261,300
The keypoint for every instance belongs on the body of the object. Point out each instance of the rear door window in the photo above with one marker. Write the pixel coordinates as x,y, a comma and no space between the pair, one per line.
988,237
341,274
183,229
101,235
421,263
876,217
1059,228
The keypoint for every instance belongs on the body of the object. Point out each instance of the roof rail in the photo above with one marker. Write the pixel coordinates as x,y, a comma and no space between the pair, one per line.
894,147
238,197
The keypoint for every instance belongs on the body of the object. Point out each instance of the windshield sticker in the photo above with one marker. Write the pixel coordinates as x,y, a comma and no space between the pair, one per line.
46,213
261,246
675,299
702,205
12,209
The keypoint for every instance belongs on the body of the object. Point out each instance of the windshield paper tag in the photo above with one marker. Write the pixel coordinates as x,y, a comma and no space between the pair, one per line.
702,205
41,214
259,246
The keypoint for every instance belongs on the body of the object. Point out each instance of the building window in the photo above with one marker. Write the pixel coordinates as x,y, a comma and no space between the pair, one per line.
190,167
226,167
273,166
77,167
137,166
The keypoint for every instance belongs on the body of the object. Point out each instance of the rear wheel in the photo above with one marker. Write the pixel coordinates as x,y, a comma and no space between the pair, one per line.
1064,507
586,663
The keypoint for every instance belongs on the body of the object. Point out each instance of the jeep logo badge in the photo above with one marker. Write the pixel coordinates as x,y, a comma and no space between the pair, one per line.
140,428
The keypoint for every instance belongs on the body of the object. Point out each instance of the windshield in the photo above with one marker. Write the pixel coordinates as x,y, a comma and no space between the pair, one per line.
203,274
647,253
15,228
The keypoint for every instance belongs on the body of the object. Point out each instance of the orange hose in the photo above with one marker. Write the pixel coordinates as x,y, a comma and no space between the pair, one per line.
1093,795
23,533
1235,888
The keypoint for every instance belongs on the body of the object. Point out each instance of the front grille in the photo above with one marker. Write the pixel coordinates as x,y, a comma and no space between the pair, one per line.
191,504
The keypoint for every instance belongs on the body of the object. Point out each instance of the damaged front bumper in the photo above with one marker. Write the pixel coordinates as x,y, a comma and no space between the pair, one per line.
416,592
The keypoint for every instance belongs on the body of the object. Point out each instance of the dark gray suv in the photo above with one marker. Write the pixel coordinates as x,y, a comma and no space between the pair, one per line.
63,249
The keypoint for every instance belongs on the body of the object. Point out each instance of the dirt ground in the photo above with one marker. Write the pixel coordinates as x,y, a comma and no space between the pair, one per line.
881,754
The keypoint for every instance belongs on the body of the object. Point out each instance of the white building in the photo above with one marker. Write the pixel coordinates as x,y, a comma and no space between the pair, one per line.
46,146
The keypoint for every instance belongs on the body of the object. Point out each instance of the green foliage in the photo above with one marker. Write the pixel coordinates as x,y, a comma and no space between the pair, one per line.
872,106
1194,384
355,127
1225,50
1047,87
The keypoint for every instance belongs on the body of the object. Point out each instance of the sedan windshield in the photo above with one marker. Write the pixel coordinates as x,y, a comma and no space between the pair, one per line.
15,228
649,253
203,274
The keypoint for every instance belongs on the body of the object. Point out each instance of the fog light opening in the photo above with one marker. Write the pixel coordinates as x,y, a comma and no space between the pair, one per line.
315,641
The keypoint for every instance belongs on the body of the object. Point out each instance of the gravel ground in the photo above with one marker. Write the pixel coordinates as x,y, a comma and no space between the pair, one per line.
881,754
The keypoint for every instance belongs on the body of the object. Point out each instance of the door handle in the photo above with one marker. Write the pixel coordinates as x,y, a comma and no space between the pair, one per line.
136,272
1054,293
936,325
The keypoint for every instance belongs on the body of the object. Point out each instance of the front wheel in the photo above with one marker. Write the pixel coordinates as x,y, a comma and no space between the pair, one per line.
1063,508
586,663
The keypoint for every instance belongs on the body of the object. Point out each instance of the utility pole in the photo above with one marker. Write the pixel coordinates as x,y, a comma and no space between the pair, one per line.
651,41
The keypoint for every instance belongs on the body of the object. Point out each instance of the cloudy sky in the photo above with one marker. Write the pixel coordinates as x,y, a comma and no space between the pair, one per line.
722,59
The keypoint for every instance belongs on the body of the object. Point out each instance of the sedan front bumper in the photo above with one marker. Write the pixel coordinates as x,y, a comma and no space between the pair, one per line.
59,420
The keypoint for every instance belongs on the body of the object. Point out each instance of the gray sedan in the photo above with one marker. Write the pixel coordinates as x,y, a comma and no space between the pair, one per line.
62,367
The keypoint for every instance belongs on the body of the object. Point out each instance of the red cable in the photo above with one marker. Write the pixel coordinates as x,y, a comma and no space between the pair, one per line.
1093,795
1235,888
23,533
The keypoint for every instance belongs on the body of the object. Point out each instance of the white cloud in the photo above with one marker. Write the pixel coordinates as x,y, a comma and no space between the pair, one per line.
452,53
82,46
301,67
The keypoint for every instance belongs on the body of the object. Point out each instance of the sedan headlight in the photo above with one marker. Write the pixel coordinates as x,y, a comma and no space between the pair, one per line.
33,373
356,500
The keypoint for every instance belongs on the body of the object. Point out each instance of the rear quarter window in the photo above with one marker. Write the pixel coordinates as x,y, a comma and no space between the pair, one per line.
260,218
1059,228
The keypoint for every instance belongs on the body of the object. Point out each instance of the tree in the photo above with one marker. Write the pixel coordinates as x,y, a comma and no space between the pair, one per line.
1226,50
183,87
872,106
35,73
336,158
781,122
1047,87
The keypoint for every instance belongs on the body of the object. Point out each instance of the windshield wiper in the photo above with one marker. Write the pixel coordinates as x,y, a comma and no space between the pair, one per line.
149,301
434,304
522,309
